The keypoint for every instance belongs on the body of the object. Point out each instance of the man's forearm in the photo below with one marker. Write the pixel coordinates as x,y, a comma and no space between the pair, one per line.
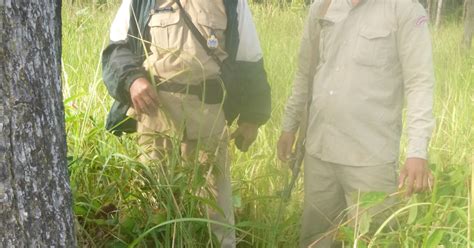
420,122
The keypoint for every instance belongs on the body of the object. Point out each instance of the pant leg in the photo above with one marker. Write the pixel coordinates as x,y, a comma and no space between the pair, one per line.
153,146
213,152
324,203
364,179
204,126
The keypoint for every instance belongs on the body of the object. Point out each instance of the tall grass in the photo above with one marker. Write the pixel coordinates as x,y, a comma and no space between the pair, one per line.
120,202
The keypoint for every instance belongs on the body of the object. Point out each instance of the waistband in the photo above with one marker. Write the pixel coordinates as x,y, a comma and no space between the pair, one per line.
193,89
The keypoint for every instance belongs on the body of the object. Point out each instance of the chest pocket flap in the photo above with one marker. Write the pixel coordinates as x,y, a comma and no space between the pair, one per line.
164,19
375,46
374,33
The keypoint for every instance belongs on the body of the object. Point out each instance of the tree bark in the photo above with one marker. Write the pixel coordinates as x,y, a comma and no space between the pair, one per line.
468,25
35,196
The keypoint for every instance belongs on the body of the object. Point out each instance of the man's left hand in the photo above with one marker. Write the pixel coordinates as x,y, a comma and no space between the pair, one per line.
245,135
416,176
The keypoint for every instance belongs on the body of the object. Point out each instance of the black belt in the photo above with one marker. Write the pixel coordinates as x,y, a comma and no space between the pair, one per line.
213,89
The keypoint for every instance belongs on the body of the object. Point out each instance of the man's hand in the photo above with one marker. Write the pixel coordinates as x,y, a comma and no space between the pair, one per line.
416,176
245,135
144,96
285,145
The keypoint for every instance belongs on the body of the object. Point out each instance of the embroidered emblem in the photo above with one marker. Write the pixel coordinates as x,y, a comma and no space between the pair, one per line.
422,20
212,42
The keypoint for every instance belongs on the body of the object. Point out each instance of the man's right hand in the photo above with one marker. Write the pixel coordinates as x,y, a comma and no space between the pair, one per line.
144,96
285,145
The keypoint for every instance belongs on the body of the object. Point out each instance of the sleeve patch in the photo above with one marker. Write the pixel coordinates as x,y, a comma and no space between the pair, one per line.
421,21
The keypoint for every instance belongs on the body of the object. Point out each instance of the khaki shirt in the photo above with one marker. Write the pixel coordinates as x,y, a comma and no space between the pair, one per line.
176,54
372,57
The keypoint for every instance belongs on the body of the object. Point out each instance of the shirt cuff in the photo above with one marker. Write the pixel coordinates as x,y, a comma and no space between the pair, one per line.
417,148
254,118
133,75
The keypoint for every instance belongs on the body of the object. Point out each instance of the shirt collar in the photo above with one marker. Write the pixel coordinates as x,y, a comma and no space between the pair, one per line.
338,10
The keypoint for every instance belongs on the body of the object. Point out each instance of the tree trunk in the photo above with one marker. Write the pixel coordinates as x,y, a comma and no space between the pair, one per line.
438,13
468,25
432,10
35,197
428,8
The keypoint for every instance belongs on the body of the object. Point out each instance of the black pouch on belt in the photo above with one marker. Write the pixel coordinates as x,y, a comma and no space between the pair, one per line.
212,92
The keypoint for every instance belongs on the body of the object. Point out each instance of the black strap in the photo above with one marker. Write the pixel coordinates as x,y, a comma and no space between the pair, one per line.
174,87
180,88
202,41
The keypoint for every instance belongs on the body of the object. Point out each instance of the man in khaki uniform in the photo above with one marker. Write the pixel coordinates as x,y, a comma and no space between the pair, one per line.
372,55
161,75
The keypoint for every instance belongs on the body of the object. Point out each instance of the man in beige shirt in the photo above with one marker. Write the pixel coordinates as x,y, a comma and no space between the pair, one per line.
372,56
166,66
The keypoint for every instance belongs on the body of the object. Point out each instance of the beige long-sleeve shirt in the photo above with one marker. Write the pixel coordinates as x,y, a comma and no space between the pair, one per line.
372,59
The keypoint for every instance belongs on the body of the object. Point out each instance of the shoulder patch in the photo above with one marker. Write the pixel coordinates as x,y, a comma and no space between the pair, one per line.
421,21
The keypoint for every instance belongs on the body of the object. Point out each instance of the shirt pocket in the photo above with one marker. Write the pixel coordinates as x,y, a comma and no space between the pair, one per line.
212,24
164,29
374,46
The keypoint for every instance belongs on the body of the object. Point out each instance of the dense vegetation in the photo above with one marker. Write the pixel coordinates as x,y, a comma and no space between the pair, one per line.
120,202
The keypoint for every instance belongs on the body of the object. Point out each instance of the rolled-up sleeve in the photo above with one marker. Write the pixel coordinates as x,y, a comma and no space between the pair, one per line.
415,53
295,107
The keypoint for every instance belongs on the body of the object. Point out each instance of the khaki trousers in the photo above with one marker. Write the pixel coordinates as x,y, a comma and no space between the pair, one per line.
329,191
205,139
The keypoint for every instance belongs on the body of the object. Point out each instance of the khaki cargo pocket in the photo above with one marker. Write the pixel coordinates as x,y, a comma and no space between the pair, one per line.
212,24
164,29
374,46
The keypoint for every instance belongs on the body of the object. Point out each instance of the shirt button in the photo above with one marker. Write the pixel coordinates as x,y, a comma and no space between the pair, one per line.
331,93
338,68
